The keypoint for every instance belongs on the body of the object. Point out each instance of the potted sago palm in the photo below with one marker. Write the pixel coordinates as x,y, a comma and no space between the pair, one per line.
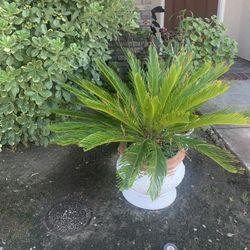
151,116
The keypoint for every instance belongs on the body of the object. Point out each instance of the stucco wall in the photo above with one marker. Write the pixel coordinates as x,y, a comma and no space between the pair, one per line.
237,20
145,7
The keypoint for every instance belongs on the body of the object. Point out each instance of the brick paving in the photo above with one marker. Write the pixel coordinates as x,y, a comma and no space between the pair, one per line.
239,71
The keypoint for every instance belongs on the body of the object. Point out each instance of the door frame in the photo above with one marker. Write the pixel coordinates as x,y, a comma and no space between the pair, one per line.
221,10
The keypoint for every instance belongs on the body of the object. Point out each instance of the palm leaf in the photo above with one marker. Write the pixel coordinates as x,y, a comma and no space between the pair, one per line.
100,138
193,83
215,72
69,138
117,114
140,90
184,62
218,118
78,93
68,126
199,74
88,117
131,163
224,158
71,113
114,111
154,71
148,112
113,79
135,66
157,169
80,126
94,89
170,79
194,99
246,114
197,84
172,119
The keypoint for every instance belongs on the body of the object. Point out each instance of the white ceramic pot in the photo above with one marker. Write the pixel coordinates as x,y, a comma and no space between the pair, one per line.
137,195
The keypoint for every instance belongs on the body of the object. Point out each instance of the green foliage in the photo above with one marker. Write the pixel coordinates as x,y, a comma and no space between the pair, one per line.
153,112
206,38
40,43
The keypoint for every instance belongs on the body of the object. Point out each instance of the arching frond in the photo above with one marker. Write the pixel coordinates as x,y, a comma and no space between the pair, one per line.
113,79
132,161
217,118
92,88
157,169
153,71
100,138
222,157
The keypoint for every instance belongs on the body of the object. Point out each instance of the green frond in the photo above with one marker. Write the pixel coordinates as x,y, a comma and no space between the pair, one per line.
246,113
108,104
94,89
170,79
113,79
174,118
153,71
184,61
134,65
115,113
78,93
215,72
88,117
200,84
218,118
67,126
132,161
221,118
194,82
224,158
71,113
69,138
103,125
157,169
195,99
150,107
106,137
140,90
199,74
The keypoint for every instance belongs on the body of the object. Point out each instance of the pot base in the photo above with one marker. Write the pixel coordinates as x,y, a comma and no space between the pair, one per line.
138,195
145,202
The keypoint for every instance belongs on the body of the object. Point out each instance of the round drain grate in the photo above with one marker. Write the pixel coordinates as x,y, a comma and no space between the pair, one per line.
68,217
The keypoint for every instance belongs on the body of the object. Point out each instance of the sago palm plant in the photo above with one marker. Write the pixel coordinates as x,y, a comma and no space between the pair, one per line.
150,112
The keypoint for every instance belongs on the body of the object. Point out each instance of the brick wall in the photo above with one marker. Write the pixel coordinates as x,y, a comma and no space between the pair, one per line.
137,43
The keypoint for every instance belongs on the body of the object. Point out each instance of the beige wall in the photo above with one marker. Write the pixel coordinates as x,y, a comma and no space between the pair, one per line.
145,7
237,20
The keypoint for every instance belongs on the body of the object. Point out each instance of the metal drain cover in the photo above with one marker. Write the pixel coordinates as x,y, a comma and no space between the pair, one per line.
68,217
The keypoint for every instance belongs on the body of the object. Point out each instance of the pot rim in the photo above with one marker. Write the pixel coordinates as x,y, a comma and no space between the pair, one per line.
171,163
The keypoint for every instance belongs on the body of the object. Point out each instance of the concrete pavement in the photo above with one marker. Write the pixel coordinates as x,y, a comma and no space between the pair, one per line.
59,198
237,138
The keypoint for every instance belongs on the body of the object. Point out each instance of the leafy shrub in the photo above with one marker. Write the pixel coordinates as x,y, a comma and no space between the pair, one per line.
205,38
42,41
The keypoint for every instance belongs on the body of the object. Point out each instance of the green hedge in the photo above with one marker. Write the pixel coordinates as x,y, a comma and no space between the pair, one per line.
42,41
207,38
